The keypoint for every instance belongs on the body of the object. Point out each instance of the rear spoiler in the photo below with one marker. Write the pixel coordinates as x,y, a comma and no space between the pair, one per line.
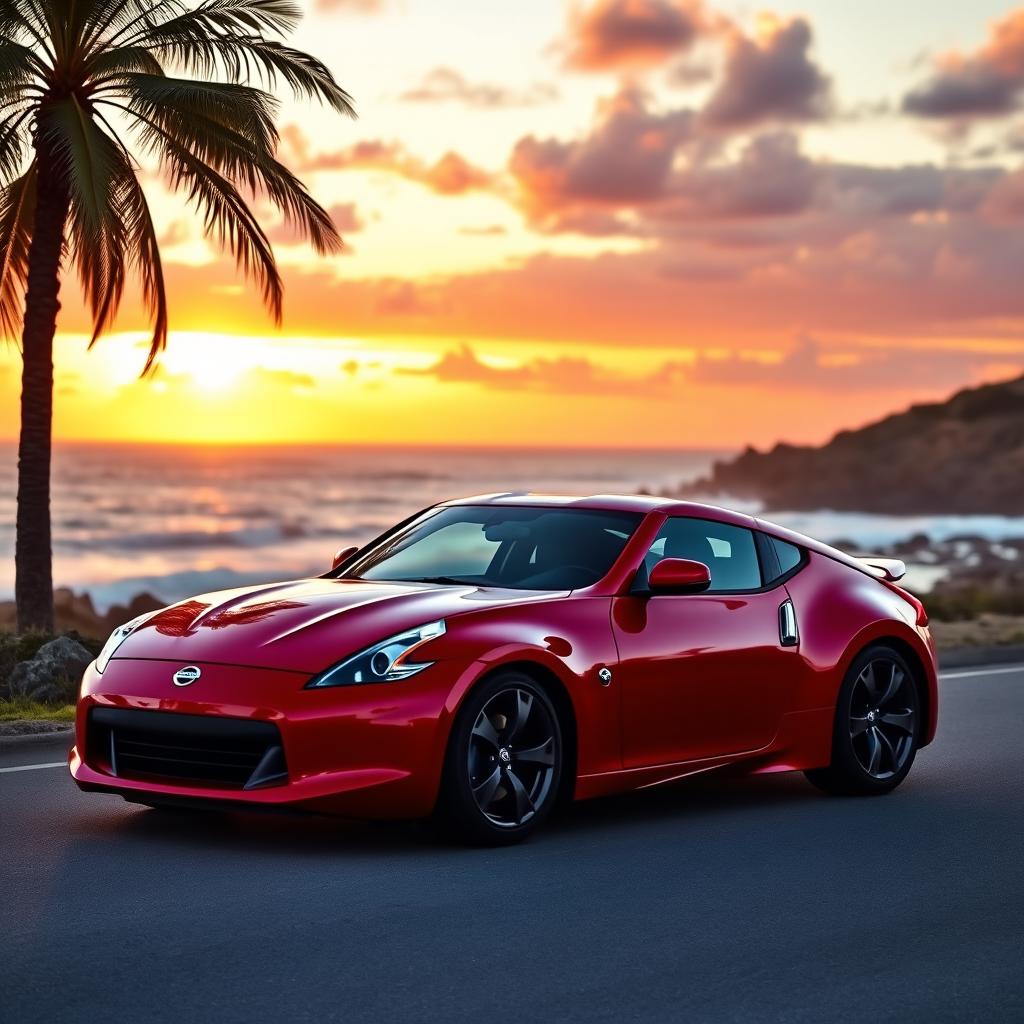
888,569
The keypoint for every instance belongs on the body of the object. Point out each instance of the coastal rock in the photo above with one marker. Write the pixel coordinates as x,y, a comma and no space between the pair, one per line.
963,456
140,604
53,674
75,613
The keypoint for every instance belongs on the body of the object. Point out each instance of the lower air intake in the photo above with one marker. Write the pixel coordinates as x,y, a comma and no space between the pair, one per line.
205,750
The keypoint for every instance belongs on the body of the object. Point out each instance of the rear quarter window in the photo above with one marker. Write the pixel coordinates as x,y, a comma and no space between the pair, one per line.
789,555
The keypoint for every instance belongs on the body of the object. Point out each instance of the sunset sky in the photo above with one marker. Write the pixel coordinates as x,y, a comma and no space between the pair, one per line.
629,222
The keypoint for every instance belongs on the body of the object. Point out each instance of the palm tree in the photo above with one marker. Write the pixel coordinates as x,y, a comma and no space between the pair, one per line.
88,88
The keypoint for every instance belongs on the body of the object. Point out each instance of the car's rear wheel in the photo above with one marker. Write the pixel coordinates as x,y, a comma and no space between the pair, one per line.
877,724
504,762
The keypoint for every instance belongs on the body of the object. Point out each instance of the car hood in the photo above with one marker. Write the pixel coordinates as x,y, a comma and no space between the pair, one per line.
304,625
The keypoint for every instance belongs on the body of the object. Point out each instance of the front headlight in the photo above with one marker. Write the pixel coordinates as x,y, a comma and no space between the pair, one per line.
383,663
116,639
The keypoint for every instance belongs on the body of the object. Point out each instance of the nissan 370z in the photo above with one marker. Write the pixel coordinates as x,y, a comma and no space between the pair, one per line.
490,657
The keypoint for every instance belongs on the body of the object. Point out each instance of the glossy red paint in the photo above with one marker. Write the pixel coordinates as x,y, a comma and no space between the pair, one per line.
672,575
342,555
698,680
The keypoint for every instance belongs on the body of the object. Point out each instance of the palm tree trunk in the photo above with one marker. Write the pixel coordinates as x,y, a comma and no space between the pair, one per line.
33,571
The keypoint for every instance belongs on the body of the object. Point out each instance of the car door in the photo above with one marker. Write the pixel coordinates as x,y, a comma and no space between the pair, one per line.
703,674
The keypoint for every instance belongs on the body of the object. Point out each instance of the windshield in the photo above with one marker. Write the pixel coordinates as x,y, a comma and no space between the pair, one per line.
517,547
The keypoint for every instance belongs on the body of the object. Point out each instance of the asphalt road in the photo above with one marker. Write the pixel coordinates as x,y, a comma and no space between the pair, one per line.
713,900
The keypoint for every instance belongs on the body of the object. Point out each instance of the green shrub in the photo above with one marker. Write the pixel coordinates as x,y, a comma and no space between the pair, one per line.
20,708
955,604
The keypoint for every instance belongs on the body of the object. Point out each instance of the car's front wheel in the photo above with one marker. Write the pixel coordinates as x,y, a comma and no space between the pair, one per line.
504,762
877,724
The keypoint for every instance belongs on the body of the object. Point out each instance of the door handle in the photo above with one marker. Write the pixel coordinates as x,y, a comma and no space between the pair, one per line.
789,634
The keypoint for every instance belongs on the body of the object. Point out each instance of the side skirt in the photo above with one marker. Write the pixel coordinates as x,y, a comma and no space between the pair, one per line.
804,741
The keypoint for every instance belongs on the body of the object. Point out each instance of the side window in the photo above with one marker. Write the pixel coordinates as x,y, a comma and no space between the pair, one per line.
789,555
728,551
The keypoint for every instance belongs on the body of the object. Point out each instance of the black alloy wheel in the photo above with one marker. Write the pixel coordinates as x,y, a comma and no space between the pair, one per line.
883,718
504,761
877,726
511,761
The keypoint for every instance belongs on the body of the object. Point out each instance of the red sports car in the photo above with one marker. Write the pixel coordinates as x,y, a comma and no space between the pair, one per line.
489,657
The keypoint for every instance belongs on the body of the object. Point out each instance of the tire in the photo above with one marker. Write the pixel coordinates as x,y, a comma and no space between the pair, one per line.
877,726
503,766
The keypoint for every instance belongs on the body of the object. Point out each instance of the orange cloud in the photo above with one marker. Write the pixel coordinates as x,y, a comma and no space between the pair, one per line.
446,85
987,83
564,375
624,34
770,77
345,216
451,175
627,159
810,365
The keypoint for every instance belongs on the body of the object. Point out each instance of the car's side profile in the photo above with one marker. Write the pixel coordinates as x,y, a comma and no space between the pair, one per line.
488,657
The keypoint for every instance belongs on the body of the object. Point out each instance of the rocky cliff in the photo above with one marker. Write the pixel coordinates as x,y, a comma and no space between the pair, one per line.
964,455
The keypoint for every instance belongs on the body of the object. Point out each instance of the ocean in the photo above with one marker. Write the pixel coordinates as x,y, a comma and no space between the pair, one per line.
176,521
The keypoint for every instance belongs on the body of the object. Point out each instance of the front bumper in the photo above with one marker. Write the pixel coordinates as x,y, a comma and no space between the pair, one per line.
372,751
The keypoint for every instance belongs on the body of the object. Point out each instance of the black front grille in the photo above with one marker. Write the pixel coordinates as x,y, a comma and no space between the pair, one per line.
228,753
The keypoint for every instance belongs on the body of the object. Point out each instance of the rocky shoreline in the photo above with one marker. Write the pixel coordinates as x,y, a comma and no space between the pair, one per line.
964,456
76,613
963,577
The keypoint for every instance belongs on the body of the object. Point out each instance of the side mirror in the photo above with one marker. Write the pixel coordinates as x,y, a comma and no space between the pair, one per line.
679,576
343,555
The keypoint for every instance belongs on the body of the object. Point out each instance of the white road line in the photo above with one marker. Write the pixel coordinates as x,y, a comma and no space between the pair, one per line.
982,672
31,767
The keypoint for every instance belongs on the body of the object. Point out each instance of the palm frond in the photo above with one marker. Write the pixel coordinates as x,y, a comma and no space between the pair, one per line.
112,23
267,60
46,23
189,109
106,18
300,209
216,17
229,36
21,19
17,209
144,247
83,154
109,65
231,130
14,142
18,64
90,162
226,216
66,19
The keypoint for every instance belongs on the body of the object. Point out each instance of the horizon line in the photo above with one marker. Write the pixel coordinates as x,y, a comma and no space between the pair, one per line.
414,445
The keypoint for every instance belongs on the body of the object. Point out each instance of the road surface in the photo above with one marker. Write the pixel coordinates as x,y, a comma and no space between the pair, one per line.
712,900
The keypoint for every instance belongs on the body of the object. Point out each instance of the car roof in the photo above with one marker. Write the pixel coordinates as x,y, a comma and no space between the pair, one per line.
642,503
